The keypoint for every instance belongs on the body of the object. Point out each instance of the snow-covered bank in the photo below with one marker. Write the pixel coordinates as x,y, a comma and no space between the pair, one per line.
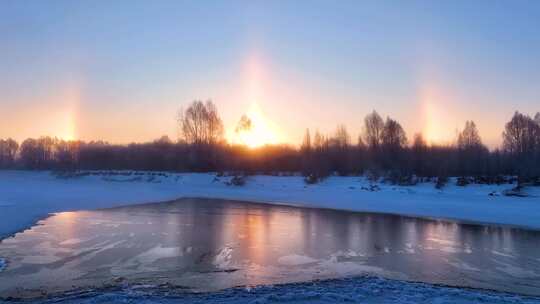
355,290
27,196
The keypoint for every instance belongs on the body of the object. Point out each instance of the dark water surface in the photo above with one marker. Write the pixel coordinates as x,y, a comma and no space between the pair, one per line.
208,245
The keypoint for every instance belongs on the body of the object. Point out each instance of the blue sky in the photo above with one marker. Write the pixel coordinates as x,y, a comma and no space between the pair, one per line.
119,70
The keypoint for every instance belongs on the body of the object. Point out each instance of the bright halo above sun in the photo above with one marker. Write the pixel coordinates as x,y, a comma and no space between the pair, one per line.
66,126
261,131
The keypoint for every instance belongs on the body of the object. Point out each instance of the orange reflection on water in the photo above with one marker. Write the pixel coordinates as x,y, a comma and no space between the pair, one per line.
66,224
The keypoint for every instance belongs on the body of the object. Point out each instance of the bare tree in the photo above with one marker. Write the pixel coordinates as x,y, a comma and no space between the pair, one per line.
419,155
393,135
392,152
342,138
360,144
66,154
200,123
521,138
306,154
340,151
306,143
8,151
319,165
472,154
469,138
520,135
373,130
318,141
30,154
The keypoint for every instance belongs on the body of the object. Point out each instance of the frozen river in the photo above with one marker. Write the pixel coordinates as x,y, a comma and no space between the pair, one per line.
205,245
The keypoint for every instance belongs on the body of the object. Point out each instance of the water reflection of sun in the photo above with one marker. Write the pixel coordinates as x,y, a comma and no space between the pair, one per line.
66,222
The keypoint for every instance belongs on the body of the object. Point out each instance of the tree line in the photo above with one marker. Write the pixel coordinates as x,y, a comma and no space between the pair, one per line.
382,150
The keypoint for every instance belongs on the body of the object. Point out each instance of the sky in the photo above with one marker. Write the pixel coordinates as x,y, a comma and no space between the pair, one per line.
120,70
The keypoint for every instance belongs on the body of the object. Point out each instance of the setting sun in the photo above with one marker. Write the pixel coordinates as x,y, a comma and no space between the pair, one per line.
260,132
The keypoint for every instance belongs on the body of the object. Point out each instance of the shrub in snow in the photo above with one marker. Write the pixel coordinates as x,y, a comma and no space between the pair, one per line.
408,180
372,175
312,179
441,182
371,188
237,180
69,174
513,192
500,179
391,177
462,181
396,177
516,191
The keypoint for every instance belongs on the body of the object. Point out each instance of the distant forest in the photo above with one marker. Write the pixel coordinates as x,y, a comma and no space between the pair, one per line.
382,150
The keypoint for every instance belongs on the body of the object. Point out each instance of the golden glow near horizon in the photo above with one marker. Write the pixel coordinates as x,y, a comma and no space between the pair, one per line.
66,128
262,131
431,129
436,121
65,114
65,123
55,115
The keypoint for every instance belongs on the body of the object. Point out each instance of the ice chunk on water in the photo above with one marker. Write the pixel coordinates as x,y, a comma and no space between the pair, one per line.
223,258
295,260
73,241
157,253
3,264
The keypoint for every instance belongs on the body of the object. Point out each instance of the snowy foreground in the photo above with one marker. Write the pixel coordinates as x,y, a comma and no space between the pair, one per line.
368,290
28,196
